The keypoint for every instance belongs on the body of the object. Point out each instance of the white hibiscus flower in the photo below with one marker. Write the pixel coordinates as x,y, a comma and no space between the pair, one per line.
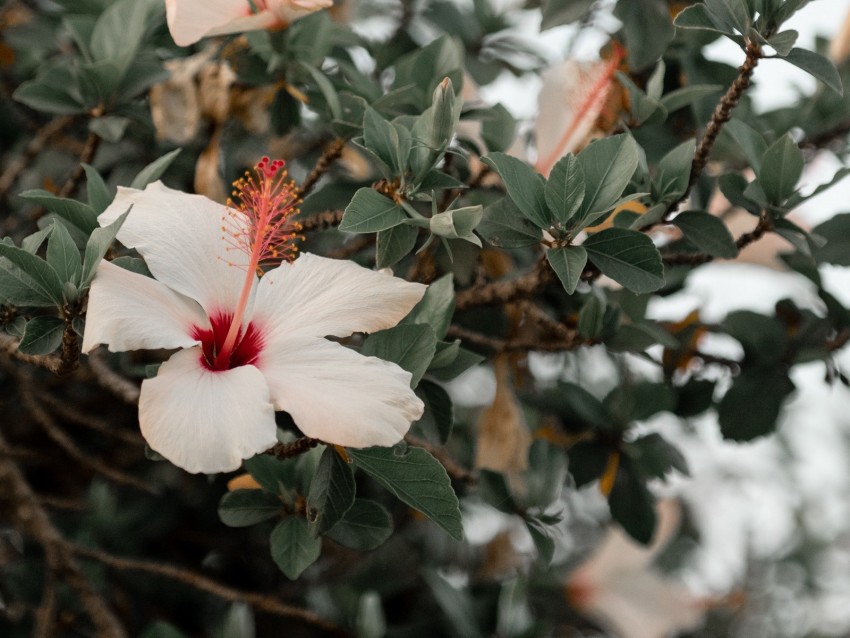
248,345
191,20
619,587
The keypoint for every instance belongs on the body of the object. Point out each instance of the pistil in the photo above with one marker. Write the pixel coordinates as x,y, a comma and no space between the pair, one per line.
261,228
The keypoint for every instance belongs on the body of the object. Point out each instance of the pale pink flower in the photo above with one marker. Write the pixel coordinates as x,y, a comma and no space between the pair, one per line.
191,20
571,98
619,587
247,346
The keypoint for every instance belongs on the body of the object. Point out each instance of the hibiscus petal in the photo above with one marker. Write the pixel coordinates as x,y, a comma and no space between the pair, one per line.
316,297
339,396
206,421
181,238
128,311
191,20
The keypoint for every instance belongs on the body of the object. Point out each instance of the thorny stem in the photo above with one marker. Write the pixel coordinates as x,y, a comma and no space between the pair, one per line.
321,221
295,448
498,292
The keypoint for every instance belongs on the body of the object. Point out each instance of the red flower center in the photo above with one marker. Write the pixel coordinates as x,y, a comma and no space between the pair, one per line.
246,349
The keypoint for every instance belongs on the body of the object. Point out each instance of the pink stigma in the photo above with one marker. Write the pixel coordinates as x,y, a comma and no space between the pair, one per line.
261,208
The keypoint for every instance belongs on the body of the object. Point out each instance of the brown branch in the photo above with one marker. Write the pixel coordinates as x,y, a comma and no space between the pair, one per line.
118,385
765,224
35,146
350,248
58,436
321,221
296,448
839,341
511,345
70,413
86,157
32,520
45,615
328,157
454,469
261,602
503,291
49,362
823,138
70,353
723,112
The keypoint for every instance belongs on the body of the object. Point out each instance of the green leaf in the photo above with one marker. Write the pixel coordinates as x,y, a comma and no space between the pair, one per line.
498,128
525,187
547,471
42,335
77,213
494,490
365,526
50,99
98,192
648,29
293,547
607,165
836,231
656,457
242,508
818,66
698,16
99,242
783,42
565,188
781,168
749,408
688,95
674,170
505,226
708,233
118,32
154,170
274,475
591,317
750,140
369,212
460,363
382,138
109,127
326,88
568,263
542,538
439,409
63,255
436,307
632,504
628,257
558,12
411,346
39,274
331,492
455,602
394,244
417,479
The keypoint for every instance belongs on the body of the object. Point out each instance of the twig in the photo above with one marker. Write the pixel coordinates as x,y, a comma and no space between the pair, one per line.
839,341
507,345
86,157
352,247
118,385
258,601
296,448
70,413
693,259
58,436
33,521
70,354
321,221
42,137
45,615
500,292
328,157
825,137
49,362
723,113
454,469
